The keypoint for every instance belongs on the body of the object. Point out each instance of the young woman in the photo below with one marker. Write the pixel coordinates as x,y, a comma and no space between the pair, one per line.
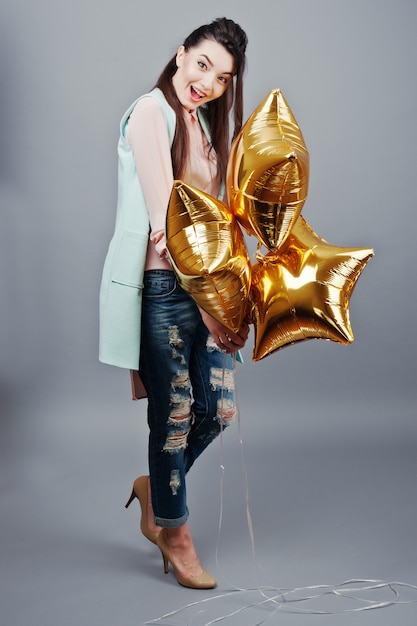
180,130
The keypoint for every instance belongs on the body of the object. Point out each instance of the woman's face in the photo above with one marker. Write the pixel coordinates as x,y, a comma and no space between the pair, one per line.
203,73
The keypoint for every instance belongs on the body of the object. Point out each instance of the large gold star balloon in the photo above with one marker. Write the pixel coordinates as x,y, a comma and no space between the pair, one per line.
268,172
208,253
302,291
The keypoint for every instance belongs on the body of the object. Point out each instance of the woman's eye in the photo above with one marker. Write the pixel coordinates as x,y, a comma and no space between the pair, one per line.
223,79
202,65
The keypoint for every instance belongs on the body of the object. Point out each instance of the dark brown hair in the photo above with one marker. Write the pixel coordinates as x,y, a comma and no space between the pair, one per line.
230,35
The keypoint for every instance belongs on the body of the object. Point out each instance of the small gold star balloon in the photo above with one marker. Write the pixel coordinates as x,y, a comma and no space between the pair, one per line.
302,291
208,254
268,172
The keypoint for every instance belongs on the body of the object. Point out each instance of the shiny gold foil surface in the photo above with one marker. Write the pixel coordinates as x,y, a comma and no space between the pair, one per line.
302,291
268,172
208,253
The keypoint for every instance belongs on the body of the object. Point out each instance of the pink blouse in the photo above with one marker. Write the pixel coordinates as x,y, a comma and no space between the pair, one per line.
147,134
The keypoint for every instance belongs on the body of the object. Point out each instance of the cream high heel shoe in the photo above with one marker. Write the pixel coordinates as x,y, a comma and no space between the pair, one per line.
203,581
140,491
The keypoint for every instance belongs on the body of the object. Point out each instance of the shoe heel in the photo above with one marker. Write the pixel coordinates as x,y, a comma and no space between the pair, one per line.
132,497
165,562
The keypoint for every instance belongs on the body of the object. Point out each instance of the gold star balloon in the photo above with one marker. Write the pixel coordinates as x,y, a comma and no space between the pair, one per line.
268,172
302,291
208,253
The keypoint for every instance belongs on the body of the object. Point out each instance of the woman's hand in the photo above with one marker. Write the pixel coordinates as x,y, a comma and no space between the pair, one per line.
224,338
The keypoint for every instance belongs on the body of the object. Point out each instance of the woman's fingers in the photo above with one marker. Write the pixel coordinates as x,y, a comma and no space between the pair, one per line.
230,341
224,338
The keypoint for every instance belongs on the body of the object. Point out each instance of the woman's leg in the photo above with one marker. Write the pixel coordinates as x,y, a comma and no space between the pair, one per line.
212,381
169,321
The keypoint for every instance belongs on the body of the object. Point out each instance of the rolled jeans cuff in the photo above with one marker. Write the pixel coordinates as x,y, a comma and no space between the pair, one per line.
171,523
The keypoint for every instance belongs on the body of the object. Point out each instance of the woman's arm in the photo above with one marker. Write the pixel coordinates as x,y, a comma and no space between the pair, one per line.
147,134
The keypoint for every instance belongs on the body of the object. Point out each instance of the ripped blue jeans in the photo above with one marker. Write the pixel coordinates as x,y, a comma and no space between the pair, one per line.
190,387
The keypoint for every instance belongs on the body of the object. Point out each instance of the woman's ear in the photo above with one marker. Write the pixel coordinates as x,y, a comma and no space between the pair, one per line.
180,55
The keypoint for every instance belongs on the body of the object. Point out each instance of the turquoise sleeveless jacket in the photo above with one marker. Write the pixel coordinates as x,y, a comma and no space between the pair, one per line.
121,284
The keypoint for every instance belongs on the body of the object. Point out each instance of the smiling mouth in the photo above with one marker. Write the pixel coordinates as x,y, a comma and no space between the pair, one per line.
197,95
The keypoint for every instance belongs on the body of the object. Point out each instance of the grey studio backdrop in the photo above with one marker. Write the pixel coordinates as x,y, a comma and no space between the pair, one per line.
328,457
